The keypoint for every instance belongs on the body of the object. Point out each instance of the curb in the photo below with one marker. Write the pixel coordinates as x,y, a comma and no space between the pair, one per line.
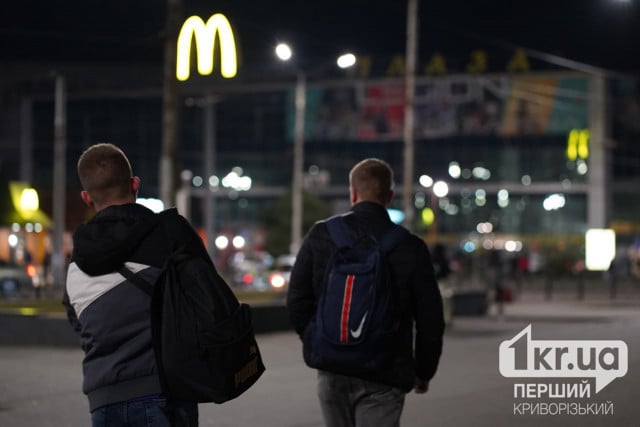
55,331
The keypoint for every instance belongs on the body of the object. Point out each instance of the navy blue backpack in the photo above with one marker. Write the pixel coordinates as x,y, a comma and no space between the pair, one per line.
356,318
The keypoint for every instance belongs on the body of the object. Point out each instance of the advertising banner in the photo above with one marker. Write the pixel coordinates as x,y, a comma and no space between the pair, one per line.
446,107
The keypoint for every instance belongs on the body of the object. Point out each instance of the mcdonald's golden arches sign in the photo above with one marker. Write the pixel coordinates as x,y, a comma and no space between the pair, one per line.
218,28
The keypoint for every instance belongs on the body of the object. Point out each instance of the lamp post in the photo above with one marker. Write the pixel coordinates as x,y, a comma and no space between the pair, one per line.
284,53
298,163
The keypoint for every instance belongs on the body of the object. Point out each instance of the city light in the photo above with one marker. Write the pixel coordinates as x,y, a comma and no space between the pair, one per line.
428,216
155,205
440,189
396,215
236,181
29,200
553,202
454,170
197,181
600,248
284,52
481,173
503,198
484,227
481,197
425,180
347,60
222,242
238,242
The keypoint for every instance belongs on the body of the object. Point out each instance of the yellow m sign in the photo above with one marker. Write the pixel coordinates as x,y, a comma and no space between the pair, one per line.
205,35
578,144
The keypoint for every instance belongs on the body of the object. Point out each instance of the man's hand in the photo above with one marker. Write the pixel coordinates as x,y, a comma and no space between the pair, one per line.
421,386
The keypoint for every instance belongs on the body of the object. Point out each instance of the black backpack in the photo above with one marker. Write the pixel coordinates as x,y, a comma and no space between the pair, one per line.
356,318
203,338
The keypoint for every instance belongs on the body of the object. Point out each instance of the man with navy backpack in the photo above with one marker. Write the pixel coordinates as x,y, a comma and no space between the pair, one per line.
341,312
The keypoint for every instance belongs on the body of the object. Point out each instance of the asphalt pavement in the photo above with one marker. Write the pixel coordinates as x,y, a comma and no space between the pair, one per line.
40,386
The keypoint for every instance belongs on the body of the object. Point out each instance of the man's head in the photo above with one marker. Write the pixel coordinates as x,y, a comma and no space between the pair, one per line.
106,177
371,180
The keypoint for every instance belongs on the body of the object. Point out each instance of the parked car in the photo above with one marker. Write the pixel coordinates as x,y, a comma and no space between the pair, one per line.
16,279
249,270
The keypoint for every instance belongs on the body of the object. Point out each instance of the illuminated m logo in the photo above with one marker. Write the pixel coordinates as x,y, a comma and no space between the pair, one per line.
205,35
578,144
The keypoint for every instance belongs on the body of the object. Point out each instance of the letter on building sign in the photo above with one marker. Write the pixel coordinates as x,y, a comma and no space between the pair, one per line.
478,62
437,65
205,34
518,62
397,66
364,66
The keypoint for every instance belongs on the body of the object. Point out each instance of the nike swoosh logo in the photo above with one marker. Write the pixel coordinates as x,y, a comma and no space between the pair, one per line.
356,334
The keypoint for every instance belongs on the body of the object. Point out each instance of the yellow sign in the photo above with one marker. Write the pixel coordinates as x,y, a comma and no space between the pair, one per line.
578,144
205,35
26,204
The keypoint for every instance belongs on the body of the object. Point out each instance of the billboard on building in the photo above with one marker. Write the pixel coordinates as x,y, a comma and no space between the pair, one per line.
547,104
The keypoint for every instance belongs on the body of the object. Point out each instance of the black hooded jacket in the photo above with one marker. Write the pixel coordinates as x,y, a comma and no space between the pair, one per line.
413,274
110,314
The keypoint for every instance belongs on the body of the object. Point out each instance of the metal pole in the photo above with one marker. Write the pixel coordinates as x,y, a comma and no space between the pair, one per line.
298,163
209,142
26,140
599,170
59,181
169,106
410,87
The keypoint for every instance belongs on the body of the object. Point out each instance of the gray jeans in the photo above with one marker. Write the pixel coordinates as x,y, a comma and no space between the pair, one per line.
352,402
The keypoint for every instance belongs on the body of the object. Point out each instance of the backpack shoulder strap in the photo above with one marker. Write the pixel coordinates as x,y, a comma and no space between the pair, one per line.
338,231
392,237
138,281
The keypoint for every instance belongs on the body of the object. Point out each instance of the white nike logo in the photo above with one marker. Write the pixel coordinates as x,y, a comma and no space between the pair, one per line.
356,334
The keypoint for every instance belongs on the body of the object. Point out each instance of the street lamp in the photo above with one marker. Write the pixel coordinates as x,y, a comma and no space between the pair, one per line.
285,53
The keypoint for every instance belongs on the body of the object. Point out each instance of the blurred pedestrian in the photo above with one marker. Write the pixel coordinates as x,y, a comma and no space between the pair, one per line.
372,398
441,261
109,313
496,280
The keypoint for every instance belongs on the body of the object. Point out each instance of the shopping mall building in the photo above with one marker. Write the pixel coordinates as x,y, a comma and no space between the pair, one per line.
530,157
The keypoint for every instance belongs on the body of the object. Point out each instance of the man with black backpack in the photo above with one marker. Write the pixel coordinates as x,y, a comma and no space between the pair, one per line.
108,311
359,288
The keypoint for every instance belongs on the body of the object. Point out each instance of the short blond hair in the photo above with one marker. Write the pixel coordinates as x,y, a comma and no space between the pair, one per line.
105,172
372,179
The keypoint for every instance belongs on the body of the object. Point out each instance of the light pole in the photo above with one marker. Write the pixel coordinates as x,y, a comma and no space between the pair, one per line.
298,163
59,180
409,113
284,53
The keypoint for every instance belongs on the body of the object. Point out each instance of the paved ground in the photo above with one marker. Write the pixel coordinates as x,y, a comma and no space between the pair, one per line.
41,386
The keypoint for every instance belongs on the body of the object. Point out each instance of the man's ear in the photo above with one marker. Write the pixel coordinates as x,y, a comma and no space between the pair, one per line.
86,198
353,194
135,185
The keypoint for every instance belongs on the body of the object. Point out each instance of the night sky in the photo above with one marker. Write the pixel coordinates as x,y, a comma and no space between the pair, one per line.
604,33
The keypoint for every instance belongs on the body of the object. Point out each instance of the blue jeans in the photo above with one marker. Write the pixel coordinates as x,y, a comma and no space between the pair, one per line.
146,413
352,402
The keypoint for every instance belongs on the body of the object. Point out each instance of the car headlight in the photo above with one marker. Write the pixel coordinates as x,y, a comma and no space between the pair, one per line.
276,280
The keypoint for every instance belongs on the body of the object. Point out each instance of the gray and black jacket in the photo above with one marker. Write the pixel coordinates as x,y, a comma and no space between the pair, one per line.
109,313
413,274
